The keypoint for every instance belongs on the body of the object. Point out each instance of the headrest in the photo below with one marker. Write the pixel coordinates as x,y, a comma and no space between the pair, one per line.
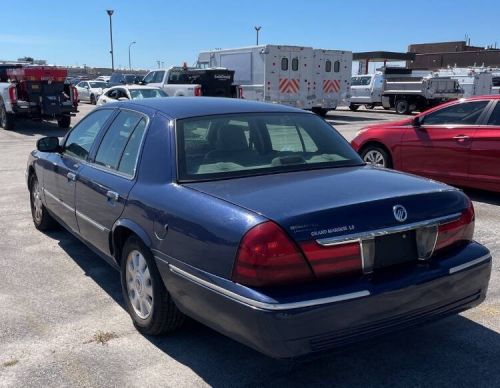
231,138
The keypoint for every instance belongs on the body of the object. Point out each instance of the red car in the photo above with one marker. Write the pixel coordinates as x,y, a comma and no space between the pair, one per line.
457,142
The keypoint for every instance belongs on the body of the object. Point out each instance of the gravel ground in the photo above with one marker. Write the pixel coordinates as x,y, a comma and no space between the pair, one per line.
63,321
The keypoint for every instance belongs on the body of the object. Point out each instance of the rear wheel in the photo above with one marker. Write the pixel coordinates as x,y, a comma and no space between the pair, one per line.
149,304
41,217
353,107
377,156
64,122
402,107
369,106
320,111
6,119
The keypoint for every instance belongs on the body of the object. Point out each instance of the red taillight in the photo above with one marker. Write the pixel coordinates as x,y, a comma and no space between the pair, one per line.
74,94
268,257
333,260
457,231
12,94
197,91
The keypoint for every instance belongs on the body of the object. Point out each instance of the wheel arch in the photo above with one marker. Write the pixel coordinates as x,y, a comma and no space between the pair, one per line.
122,230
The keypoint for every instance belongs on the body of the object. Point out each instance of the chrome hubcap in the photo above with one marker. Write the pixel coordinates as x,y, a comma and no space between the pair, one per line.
139,285
37,202
374,157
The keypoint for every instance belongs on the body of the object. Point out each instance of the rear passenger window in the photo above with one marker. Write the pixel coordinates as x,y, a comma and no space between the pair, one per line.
295,64
495,116
336,66
117,138
328,66
284,64
129,158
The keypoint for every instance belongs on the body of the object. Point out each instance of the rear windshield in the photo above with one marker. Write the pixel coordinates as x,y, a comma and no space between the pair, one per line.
146,93
227,146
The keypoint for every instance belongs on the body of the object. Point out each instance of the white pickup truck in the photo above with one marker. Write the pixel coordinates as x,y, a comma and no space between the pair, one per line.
184,81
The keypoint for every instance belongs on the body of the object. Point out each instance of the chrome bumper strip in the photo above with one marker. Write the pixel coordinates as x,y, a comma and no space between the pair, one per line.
355,237
92,222
470,263
266,306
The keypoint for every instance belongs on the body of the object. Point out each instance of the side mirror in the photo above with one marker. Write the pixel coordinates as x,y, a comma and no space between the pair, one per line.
48,144
87,87
416,122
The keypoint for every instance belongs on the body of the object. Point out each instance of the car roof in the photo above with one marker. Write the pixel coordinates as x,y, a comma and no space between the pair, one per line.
132,86
183,107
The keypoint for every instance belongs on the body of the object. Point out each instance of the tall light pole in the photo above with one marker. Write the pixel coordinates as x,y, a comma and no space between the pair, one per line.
129,62
257,29
110,13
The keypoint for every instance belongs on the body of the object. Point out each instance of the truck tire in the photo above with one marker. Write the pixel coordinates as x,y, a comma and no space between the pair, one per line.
353,107
402,107
369,106
6,119
320,111
64,122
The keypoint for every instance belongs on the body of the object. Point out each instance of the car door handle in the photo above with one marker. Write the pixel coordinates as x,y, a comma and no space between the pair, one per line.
461,138
71,176
112,195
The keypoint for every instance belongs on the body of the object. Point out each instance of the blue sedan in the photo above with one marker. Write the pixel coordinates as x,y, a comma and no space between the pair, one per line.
258,220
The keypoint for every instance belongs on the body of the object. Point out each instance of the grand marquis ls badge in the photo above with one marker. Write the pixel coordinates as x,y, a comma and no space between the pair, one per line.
400,213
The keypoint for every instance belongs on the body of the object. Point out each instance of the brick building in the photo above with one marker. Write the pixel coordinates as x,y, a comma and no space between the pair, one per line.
438,55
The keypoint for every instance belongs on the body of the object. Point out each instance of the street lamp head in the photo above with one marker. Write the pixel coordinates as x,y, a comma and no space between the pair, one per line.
257,28
110,12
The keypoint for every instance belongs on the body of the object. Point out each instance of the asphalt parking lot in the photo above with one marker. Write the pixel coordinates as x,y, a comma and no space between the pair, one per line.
63,322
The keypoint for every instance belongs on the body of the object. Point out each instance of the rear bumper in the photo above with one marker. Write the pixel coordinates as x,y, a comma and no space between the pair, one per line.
285,327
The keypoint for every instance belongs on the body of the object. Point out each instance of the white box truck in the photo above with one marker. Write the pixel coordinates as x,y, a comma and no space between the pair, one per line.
299,76
474,82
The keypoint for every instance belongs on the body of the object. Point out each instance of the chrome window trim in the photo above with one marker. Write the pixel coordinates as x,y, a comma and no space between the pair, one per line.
262,305
45,191
355,237
92,222
103,168
469,264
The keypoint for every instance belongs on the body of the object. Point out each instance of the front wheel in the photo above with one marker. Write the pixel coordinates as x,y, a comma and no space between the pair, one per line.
149,304
64,121
41,217
376,156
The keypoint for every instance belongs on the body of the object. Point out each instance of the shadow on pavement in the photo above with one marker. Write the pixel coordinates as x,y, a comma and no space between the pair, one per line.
38,128
488,197
452,352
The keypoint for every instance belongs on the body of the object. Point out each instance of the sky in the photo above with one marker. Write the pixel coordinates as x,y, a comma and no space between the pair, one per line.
71,33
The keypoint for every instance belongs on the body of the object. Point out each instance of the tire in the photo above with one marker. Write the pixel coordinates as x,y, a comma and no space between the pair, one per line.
6,119
369,106
152,310
320,111
41,218
402,107
377,156
353,107
93,101
64,122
